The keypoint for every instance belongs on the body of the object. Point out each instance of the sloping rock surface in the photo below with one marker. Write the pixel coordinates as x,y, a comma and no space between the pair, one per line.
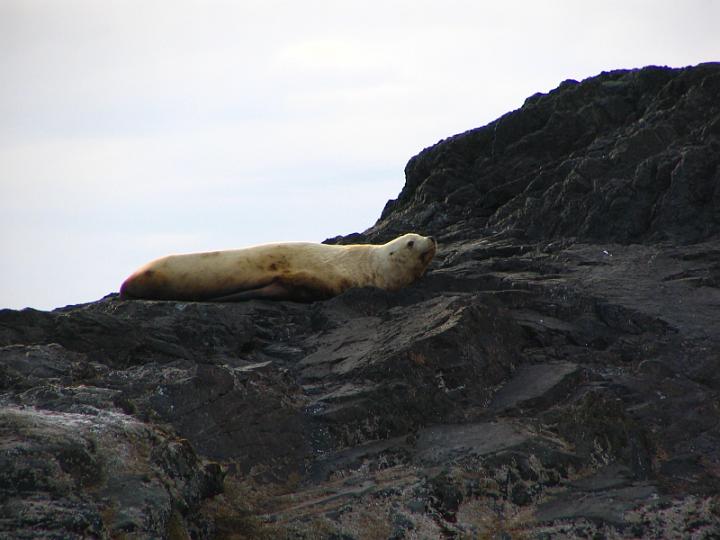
554,375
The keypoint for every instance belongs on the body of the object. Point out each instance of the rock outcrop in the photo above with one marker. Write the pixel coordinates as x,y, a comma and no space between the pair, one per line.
554,375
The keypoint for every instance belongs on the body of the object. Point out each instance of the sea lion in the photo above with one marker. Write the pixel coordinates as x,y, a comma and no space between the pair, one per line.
300,271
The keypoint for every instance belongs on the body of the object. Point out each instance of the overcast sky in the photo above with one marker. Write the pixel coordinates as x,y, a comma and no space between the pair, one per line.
132,129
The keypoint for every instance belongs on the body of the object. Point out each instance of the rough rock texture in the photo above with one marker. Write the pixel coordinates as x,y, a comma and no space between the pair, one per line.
554,375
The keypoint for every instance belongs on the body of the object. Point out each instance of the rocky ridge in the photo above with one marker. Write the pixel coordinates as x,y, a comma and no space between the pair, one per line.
554,374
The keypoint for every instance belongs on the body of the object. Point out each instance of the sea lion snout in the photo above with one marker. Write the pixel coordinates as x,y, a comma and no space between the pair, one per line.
427,255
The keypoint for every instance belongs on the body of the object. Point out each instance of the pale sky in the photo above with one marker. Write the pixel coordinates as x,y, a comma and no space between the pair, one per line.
133,129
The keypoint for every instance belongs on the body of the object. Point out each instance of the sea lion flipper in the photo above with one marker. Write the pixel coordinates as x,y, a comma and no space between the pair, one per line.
273,291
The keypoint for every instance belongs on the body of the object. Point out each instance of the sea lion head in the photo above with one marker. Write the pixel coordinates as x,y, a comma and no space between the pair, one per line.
408,256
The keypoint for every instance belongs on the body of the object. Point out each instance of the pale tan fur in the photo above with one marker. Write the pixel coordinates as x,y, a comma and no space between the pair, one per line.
291,270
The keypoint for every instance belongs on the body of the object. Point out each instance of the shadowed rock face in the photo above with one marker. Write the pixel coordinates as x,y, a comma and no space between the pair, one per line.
555,373
628,156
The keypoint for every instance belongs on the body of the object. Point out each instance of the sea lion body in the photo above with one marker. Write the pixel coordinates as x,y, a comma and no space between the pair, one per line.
300,271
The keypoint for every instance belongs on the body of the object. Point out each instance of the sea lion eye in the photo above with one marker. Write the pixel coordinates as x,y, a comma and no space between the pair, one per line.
411,243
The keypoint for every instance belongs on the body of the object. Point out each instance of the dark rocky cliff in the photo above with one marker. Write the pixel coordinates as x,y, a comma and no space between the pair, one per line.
556,374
